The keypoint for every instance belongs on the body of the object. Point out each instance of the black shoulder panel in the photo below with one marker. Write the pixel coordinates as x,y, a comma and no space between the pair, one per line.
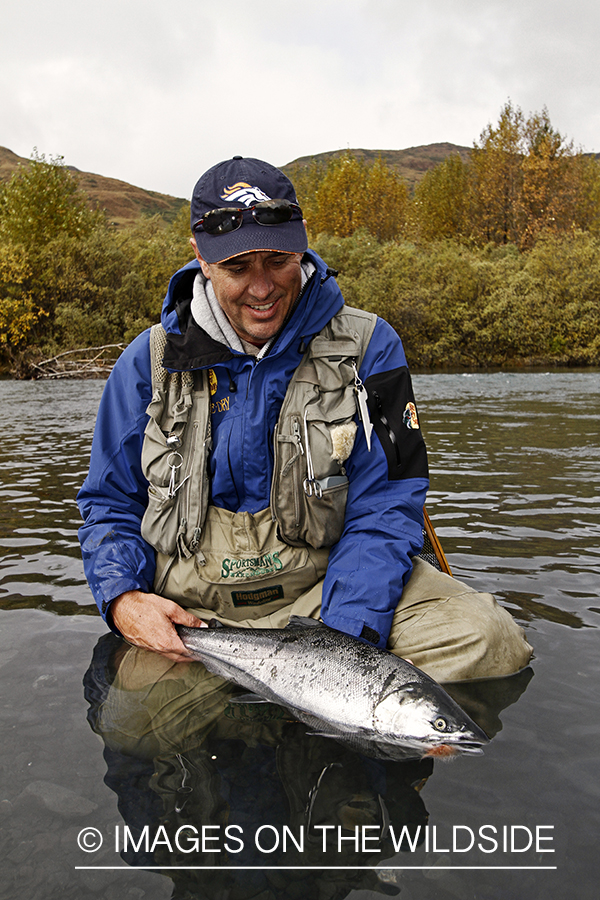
193,349
393,412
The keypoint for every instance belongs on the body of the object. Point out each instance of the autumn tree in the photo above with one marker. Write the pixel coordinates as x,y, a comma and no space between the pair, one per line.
349,193
384,202
441,201
338,197
559,186
523,180
527,180
42,200
68,279
495,171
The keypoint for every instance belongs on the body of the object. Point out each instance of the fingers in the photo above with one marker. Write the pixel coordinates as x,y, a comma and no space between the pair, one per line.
183,617
147,621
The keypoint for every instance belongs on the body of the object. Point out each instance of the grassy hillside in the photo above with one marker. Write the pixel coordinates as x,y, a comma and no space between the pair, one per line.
411,164
123,202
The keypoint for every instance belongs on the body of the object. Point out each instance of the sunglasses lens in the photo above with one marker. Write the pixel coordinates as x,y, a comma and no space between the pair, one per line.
227,219
273,212
222,221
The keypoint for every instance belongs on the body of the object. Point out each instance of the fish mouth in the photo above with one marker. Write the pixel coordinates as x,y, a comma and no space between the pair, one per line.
470,747
467,742
456,748
446,746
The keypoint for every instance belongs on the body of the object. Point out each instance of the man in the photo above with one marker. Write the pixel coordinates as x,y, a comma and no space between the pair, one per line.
260,455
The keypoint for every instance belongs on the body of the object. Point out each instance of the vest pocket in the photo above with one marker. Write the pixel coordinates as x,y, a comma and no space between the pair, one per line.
160,522
171,504
309,489
324,514
155,455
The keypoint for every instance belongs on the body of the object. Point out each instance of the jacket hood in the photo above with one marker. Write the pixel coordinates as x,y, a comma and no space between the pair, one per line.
190,347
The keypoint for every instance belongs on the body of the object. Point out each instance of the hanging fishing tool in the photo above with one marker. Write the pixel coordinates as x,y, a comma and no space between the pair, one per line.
174,467
312,487
361,405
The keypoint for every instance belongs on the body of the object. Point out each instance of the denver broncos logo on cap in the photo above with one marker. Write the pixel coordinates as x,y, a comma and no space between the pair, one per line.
244,193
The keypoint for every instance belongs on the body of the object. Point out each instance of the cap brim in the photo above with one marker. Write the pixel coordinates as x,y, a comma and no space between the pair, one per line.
287,238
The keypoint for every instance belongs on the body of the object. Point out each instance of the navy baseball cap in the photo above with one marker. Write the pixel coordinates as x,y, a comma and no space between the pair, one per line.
240,184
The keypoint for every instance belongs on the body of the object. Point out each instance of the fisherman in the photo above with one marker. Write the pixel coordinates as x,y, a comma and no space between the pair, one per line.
259,454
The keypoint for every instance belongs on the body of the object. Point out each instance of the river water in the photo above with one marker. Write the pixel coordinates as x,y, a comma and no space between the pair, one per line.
515,472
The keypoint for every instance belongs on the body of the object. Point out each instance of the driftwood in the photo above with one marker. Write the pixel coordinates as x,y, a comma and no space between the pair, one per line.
79,364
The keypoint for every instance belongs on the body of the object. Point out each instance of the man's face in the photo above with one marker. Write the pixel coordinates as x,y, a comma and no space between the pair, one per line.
255,290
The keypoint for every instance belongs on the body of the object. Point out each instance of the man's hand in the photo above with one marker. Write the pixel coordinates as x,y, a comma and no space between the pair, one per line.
147,621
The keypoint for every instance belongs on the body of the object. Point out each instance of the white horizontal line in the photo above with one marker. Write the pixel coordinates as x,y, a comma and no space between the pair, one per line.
321,868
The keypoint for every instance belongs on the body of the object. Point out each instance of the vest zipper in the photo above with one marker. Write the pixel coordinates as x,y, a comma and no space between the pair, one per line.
190,461
279,472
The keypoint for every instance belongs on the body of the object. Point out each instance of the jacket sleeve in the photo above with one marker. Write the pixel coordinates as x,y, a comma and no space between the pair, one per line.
113,498
371,563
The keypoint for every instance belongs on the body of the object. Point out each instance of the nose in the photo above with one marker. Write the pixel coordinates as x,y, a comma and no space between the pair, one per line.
261,283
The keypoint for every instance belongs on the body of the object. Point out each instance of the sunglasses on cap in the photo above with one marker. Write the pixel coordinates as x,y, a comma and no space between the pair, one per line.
228,218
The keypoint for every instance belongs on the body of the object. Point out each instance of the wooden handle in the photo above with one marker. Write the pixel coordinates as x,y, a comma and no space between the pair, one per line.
437,547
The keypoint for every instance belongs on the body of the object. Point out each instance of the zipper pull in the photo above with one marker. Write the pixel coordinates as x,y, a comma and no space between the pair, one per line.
361,406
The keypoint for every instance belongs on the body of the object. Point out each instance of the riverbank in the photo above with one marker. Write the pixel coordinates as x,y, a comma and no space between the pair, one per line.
89,369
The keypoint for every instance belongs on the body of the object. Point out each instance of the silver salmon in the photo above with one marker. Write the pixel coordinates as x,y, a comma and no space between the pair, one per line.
367,698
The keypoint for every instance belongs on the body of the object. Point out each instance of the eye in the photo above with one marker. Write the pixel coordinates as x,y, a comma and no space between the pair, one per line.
233,268
440,724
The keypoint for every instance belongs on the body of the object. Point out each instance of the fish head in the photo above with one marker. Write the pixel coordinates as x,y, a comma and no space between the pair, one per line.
428,720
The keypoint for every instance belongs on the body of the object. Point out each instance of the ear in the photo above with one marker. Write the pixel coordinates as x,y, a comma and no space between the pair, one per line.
203,264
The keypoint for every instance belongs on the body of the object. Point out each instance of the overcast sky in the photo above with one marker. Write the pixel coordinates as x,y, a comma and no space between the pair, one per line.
155,92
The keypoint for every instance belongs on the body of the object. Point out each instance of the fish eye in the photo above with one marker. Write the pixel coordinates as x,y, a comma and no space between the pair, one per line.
440,724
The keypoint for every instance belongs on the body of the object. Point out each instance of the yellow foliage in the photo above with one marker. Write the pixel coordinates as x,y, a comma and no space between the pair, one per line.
496,178
523,181
18,313
349,194
441,203
14,265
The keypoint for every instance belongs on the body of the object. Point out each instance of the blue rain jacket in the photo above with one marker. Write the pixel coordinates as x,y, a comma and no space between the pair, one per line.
370,564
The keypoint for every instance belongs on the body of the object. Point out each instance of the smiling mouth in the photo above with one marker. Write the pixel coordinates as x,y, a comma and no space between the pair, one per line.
263,307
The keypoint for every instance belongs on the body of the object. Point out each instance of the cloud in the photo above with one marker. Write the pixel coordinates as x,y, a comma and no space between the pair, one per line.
155,93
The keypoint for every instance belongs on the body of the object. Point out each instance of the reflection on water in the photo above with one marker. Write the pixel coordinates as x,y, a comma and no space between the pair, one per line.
515,464
179,755
183,755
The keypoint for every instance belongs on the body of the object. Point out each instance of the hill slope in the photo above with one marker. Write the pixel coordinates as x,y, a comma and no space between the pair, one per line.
411,163
123,202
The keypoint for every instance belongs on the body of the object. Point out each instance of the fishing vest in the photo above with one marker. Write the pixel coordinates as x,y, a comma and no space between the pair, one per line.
313,438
